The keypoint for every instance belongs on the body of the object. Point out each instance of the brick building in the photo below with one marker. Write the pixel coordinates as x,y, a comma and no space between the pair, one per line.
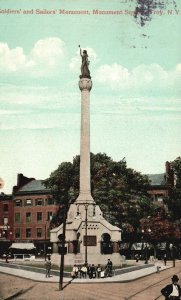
33,210
6,222
161,184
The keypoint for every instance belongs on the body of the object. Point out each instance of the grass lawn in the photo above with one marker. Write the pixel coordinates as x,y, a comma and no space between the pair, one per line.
57,268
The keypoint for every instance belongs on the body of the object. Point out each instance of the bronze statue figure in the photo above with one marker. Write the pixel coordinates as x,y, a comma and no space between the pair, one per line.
85,73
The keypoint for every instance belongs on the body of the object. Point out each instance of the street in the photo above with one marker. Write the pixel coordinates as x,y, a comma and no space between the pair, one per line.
147,288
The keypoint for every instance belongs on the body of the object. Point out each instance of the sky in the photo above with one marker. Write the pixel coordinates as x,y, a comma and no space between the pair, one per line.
135,102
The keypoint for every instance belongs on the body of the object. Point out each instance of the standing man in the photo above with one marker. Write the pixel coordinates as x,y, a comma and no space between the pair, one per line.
165,259
109,267
172,291
48,265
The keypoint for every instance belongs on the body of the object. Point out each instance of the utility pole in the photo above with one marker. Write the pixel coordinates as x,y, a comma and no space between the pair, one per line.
63,245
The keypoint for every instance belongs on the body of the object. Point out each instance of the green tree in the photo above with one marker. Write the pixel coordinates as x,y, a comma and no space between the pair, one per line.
61,183
121,192
174,200
158,228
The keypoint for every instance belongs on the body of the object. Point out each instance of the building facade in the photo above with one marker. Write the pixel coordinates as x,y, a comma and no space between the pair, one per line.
33,209
6,222
161,185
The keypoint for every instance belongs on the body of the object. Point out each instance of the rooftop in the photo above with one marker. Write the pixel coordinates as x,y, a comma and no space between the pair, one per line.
157,179
33,186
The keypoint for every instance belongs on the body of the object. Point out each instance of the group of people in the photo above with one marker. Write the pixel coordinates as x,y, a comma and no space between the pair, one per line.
92,271
171,291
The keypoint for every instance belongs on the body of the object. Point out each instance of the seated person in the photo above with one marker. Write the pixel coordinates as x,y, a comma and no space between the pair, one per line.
83,271
99,269
75,271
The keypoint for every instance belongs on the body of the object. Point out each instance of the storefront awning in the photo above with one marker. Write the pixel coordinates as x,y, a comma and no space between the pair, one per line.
124,246
161,246
137,246
27,246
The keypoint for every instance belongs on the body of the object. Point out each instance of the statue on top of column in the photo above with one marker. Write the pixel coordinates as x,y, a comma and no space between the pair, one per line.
85,73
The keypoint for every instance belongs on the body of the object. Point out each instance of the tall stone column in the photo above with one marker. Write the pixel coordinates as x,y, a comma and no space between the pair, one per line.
85,85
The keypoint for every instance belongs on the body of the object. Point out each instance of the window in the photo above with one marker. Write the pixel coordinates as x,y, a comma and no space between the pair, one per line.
28,202
39,216
5,221
17,233
49,215
18,202
39,202
28,217
5,207
50,201
28,232
160,197
39,232
17,217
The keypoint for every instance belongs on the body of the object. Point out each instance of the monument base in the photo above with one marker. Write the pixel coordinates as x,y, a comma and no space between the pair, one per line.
79,259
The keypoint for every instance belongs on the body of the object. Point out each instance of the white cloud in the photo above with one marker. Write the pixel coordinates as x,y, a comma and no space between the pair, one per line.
43,60
115,75
178,68
11,60
142,78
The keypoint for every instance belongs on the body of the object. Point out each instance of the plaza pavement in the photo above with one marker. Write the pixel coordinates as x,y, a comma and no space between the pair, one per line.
126,277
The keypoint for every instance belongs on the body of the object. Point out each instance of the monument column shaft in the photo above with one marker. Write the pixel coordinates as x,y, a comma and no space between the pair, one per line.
85,143
85,85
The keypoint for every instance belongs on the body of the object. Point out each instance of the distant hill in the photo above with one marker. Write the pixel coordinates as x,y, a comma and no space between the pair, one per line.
156,179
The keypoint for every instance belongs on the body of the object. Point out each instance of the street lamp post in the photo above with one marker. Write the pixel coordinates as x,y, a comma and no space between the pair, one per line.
86,206
86,209
45,249
145,231
62,253
45,246
146,254
66,207
172,250
7,235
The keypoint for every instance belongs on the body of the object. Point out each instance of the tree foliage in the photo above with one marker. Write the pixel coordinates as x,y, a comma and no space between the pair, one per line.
174,200
159,228
120,191
60,183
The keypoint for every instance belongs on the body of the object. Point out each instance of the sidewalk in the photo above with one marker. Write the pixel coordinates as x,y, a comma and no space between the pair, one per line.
126,277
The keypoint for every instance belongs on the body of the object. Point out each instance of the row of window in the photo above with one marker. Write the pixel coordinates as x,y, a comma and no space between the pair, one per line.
39,233
39,216
32,202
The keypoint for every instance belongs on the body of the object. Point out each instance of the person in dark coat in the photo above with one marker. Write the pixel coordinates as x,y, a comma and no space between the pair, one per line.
89,270
172,291
48,265
109,267
92,272
165,259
